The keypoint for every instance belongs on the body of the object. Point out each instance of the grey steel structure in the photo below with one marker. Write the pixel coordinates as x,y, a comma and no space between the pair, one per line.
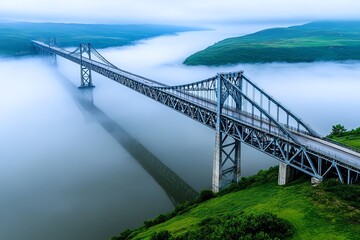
239,112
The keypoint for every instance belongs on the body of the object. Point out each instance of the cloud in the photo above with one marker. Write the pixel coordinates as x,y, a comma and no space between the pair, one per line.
184,11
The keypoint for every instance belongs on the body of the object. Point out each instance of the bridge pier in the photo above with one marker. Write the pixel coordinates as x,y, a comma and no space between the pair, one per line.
53,59
227,161
287,173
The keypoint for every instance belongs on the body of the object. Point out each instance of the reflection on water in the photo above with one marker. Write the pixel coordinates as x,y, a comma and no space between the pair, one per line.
177,189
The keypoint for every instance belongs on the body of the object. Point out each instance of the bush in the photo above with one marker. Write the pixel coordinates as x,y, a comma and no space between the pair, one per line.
350,193
205,195
163,235
338,130
182,208
157,220
260,227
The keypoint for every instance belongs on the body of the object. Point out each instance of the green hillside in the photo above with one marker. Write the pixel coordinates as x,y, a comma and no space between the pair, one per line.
317,41
346,137
327,211
15,38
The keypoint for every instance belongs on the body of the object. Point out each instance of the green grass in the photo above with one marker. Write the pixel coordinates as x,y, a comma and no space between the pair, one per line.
318,41
15,38
349,138
351,141
316,212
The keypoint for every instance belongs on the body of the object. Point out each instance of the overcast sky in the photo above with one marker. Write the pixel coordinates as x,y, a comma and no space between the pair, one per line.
176,11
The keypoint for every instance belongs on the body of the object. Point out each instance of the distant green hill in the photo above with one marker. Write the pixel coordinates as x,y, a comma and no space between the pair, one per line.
317,41
328,211
15,38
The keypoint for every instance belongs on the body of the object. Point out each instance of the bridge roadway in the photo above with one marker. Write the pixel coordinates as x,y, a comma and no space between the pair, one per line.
153,89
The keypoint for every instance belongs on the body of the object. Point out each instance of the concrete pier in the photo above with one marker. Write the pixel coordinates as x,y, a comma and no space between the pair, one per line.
216,176
287,174
315,181
284,174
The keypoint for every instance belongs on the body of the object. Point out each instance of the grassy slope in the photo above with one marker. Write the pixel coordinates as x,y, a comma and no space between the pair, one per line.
318,41
315,213
15,38
352,140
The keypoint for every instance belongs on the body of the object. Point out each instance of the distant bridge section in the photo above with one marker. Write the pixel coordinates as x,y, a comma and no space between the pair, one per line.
239,111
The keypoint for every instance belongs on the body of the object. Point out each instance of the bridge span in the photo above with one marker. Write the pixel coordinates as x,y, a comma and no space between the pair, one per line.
239,111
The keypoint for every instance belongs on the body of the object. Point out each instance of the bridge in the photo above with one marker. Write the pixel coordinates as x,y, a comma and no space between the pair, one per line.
239,111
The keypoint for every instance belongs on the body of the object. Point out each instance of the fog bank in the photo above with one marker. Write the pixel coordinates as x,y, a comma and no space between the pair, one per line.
307,89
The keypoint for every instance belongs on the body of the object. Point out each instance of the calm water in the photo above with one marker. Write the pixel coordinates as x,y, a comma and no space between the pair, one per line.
74,170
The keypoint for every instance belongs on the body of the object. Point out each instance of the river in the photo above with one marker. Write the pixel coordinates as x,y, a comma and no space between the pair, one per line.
73,170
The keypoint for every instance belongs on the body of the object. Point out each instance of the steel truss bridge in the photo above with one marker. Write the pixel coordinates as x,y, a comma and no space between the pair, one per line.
238,110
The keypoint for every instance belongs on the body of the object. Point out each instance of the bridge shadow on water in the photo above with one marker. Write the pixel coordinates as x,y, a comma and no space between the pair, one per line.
176,188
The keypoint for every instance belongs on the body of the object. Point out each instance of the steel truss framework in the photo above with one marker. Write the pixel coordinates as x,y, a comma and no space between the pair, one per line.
238,110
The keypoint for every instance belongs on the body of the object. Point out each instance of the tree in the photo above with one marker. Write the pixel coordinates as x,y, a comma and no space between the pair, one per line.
338,130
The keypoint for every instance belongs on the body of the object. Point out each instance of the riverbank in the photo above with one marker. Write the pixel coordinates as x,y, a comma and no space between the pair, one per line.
327,211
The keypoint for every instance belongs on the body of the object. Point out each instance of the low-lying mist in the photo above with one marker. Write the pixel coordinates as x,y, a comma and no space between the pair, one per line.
321,93
63,174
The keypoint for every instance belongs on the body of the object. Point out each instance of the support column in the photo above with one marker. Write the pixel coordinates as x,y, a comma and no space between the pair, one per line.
287,173
227,156
239,107
53,59
237,159
85,73
88,96
87,104
284,174
216,177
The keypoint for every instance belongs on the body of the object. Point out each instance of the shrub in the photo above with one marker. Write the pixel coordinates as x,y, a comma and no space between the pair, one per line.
260,227
205,195
163,235
157,220
350,193
182,208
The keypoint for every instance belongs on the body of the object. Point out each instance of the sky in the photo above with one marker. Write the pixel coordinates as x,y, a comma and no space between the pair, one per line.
176,11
